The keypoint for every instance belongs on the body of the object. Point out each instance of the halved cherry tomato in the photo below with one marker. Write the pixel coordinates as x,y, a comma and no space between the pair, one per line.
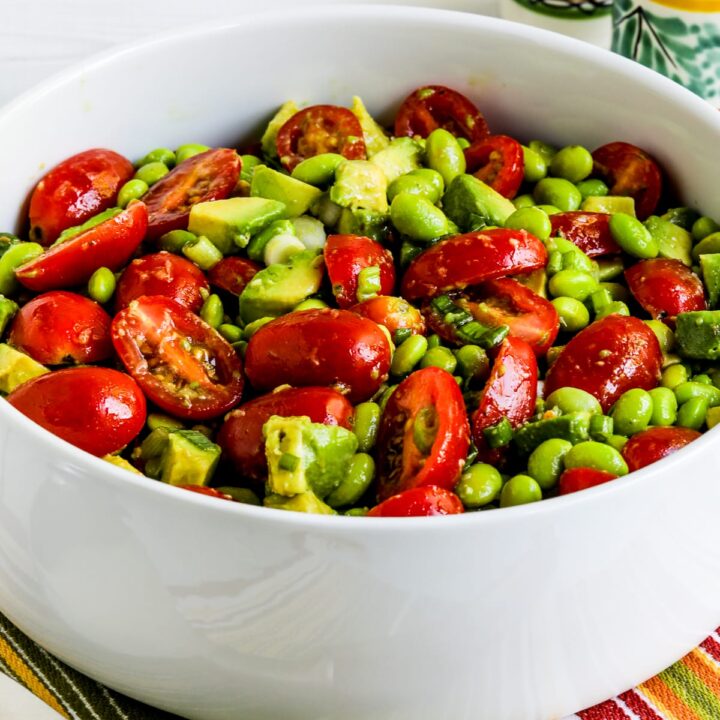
469,259
96,409
162,274
75,190
665,288
179,361
423,438
436,106
320,129
62,327
589,231
346,255
421,501
202,490
392,312
607,358
654,444
233,273
581,478
241,436
110,244
320,347
628,170
211,175
499,162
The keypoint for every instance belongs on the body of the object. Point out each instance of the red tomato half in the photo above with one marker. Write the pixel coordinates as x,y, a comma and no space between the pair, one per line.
320,347
241,435
436,106
96,409
582,478
179,361
654,444
233,273
607,358
419,502
589,231
110,244
665,288
499,162
162,274
202,490
61,327
320,129
392,312
469,259
423,438
211,175
75,190
346,255
628,170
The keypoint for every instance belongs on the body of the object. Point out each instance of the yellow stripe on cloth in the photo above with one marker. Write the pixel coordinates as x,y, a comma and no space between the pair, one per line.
691,5
666,700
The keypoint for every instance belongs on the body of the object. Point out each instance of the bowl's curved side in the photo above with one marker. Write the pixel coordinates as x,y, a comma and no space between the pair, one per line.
217,612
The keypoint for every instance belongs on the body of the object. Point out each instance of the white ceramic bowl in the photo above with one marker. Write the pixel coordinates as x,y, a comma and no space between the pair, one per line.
215,610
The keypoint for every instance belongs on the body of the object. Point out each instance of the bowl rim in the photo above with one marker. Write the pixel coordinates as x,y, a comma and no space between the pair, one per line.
693,105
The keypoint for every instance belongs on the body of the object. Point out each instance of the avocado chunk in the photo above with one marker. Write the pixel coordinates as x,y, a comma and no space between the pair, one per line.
17,368
306,502
374,136
674,242
360,184
400,157
710,265
297,196
609,204
362,222
121,462
279,288
8,309
229,223
708,245
697,334
267,141
468,200
574,427
189,458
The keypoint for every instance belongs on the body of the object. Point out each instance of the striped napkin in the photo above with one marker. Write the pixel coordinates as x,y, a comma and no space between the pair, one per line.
689,690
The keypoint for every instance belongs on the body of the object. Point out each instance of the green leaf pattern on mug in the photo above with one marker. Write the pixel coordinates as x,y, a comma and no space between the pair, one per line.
574,9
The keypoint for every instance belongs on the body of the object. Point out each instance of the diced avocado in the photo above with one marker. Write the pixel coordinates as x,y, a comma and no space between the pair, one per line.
400,157
574,427
609,204
17,368
286,111
697,334
296,195
189,458
279,288
306,502
121,462
360,184
374,136
712,417
684,217
674,241
229,223
8,308
362,222
710,265
468,198
708,245
332,447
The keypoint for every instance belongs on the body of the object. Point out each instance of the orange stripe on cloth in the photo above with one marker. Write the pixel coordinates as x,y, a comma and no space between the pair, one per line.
667,701
705,669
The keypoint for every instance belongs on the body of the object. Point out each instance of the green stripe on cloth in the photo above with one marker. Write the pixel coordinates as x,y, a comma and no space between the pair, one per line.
688,686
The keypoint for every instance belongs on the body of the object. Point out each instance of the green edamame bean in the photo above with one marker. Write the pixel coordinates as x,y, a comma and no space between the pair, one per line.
571,400
161,155
232,333
202,252
424,181
573,315
472,361
479,485
416,217
559,193
614,308
132,190
617,441
311,304
573,284
573,163
444,154
533,220
674,375
360,473
632,411
252,327
152,172
664,406
318,170
523,201
610,268
546,462
546,151
248,163
464,143
433,341
13,258
212,311
703,227
520,490
663,333
535,165
187,151
408,355
175,240
101,285
692,413
549,209
596,455
593,188
440,357
365,425
632,236
688,390
702,378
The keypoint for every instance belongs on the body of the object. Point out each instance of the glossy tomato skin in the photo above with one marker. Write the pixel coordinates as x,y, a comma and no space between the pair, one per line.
233,273
499,162
589,231
163,274
607,358
211,175
75,190
653,444
320,129
423,501
180,362
241,436
202,490
392,312
401,463
665,288
320,347
437,106
96,409
346,256
628,170
470,259
110,244
62,327
581,478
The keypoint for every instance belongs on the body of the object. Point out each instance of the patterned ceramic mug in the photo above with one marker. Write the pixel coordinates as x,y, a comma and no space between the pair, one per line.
678,38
